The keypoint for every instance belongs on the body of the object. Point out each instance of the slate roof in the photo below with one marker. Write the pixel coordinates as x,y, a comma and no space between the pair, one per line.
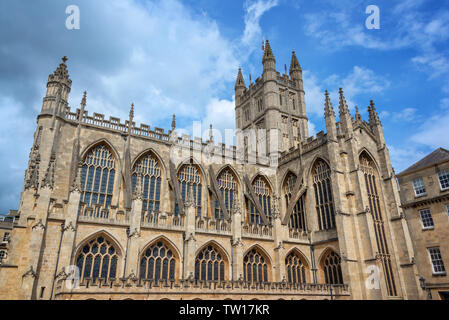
439,155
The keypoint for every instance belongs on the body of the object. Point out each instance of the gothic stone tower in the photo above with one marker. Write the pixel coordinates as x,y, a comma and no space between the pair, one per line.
144,214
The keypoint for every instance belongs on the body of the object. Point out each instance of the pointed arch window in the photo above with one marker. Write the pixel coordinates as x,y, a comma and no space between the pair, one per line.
332,269
298,217
97,180
97,259
150,170
189,175
296,270
263,192
371,183
210,265
255,267
228,187
158,263
323,195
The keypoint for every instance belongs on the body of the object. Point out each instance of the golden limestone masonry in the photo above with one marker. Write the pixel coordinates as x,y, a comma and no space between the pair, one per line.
110,210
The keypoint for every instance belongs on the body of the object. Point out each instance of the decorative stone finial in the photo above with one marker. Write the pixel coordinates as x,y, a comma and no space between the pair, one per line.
211,135
173,123
64,59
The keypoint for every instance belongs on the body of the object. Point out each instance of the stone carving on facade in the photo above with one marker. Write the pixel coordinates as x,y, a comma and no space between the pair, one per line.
39,226
138,192
32,173
76,183
48,180
69,227
30,273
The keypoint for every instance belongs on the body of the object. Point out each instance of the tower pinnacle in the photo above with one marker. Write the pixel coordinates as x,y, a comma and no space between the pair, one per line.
173,123
268,53
294,65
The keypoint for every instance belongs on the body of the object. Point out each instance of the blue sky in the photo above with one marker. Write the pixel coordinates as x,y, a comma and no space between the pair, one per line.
182,57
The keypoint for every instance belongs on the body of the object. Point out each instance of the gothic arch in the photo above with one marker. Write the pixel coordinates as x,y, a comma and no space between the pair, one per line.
155,154
97,234
100,255
164,239
332,272
234,173
195,162
215,244
162,246
109,145
212,262
265,177
315,160
326,251
301,255
262,250
369,155
284,177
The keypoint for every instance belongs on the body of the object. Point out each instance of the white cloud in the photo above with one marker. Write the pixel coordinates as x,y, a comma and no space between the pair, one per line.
254,11
404,157
434,131
407,114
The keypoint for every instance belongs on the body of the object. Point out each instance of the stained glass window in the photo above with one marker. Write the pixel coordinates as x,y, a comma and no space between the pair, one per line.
255,267
97,259
150,171
189,177
332,269
228,187
263,192
210,265
158,263
323,196
97,179
296,271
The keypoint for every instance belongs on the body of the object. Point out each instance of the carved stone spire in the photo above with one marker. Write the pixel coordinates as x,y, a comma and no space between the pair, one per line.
328,108
343,105
268,53
358,117
211,133
173,123
83,106
373,116
48,180
240,82
76,183
294,65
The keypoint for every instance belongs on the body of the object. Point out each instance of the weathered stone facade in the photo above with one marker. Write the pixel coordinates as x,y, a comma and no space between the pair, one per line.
132,205
425,203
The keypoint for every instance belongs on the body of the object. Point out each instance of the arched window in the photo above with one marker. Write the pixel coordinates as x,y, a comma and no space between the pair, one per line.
228,187
150,171
97,179
371,183
332,269
158,262
296,270
190,176
210,264
323,195
263,191
297,219
97,259
255,267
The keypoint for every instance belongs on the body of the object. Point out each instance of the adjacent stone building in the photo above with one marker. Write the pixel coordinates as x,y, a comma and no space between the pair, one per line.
424,190
112,210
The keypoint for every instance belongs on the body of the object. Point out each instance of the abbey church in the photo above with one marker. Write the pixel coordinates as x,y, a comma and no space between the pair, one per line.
112,210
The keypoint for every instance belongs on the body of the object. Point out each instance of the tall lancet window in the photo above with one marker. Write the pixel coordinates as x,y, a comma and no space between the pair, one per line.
297,219
149,169
263,193
296,268
323,195
372,188
210,264
228,187
97,180
189,176
158,262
